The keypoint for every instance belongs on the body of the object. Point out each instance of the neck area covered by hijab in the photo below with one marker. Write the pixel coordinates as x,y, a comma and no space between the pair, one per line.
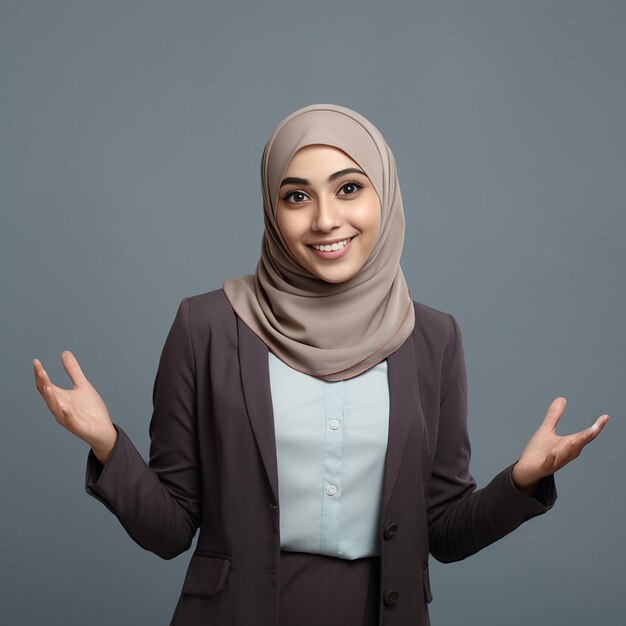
332,331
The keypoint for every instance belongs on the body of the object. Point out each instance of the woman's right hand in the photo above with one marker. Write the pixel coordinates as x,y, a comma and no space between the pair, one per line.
80,410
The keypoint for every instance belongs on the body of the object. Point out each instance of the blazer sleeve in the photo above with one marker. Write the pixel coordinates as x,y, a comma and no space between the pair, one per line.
158,503
462,519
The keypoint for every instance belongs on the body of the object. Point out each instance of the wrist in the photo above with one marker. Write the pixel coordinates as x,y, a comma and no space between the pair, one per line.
522,482
103,449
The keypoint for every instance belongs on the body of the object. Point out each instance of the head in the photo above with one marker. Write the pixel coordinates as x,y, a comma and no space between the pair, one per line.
328,176
325,199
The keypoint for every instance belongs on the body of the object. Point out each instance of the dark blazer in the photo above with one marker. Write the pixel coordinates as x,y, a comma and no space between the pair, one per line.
213,466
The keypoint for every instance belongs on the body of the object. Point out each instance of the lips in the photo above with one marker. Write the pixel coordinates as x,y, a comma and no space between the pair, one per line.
331,246
319,245
332,254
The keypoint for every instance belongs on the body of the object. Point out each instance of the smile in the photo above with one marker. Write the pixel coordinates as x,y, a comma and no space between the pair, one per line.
332,250
337,245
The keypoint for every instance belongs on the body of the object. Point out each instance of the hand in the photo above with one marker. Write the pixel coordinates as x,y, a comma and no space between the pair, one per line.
80,410
546,452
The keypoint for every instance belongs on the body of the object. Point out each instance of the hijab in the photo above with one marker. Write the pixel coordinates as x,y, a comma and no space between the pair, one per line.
332,331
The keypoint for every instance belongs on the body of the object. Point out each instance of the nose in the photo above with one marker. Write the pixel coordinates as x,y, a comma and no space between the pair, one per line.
327,216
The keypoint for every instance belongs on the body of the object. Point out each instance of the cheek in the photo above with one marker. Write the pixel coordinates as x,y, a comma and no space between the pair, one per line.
288,227
371,217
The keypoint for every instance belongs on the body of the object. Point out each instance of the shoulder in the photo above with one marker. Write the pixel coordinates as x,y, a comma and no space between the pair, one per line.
214,300
208,309
434,325
438,342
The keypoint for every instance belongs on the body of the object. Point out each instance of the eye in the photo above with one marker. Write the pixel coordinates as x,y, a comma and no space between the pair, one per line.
298,197
350,187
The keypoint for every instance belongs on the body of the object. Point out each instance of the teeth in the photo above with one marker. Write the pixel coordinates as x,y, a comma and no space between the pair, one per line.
334,246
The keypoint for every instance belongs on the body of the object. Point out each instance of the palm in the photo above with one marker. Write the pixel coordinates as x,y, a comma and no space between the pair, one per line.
546,452
85,408
80,410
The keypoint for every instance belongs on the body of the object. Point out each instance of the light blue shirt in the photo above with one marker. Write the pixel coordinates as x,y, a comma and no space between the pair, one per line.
331,441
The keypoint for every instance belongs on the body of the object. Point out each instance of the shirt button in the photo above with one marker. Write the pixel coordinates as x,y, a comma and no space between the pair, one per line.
331,490
334,424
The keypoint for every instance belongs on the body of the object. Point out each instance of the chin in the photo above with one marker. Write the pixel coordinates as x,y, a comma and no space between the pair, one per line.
335,279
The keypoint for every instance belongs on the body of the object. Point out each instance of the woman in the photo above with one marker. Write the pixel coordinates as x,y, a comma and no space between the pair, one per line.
319,385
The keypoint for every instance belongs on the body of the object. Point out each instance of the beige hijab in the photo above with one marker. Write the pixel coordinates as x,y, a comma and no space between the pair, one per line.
332,331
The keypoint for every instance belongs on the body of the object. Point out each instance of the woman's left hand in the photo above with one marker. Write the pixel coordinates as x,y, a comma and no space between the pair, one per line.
546,452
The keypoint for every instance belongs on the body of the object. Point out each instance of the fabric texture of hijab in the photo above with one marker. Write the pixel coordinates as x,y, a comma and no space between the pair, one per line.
333,331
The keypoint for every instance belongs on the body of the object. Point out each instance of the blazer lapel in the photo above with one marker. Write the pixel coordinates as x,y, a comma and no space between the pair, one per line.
255,379
404,408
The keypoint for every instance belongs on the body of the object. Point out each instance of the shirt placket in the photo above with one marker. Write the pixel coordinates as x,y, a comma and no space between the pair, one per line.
333,453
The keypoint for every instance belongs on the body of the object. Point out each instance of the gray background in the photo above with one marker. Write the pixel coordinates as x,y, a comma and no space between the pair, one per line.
131,134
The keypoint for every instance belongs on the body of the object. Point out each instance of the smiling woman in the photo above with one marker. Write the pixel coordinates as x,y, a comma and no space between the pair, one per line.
328,213
311,418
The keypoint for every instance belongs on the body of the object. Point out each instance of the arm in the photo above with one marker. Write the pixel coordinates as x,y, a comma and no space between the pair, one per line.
462,519
158,503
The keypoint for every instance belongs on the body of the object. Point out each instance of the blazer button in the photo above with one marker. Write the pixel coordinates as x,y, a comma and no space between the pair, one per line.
390,530
391,597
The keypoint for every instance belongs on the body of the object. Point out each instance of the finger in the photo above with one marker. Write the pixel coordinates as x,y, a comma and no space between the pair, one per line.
555,410
41,377
576,442
36,368
572,445
73,368
600,423
52,402
48,392
590,433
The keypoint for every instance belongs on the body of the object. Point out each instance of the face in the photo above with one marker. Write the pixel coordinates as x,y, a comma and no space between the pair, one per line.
328,212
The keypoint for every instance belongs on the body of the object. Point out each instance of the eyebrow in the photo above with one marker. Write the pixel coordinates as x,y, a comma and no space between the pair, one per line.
303,181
